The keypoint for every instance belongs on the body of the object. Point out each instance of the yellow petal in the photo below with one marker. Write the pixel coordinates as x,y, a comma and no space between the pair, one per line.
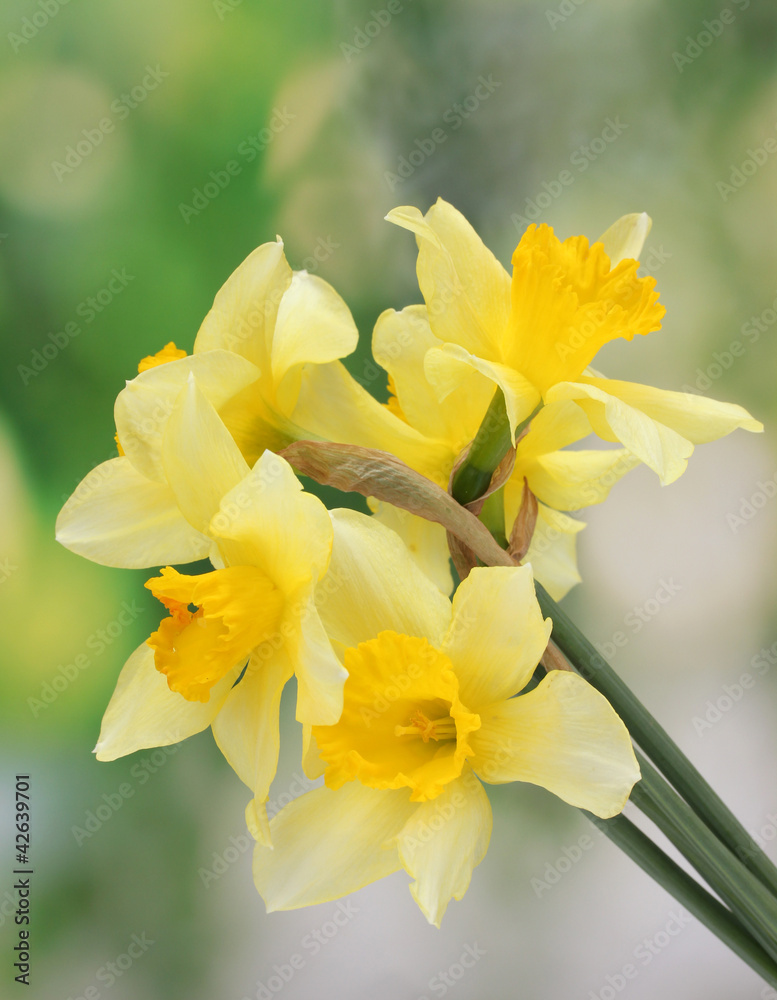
696,418
570,480
329,843
558,476
267,521
662,449
564,736
555,426
497,634
312,765
399,344
552,551
201,461
143,408
320,675
314,326
466,289
247,727
257,822
117,517
626,237
143,712
242,318
448,369
373,585
426,541
333,406
443,841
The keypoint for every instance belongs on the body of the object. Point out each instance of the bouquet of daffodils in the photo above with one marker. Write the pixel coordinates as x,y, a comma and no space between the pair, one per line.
430,655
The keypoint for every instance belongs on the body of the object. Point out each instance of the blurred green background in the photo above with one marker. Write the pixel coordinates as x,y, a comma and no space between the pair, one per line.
120,218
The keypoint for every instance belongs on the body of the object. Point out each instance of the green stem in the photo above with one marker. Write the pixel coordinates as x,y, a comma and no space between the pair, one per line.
652,860
492,514
747,897
656,742
489,447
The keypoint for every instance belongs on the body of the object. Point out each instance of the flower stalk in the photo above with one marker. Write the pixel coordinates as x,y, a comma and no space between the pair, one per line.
747,897
694,897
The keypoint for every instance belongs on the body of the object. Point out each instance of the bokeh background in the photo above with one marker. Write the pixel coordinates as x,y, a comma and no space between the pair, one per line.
319,105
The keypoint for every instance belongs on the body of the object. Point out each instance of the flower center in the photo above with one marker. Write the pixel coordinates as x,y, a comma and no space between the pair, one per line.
439,729
235,609
402,723
252,424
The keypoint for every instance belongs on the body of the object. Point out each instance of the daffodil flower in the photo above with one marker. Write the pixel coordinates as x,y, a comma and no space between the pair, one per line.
535,335
429,713
266,358
562,479
124,512
232,637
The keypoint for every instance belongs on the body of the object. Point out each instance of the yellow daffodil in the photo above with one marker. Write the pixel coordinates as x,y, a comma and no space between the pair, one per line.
535,335
252,619
561,479
429,712
266,357
124,512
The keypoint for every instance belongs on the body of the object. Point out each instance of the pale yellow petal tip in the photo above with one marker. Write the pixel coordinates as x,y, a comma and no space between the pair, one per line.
433,916
671,475
60,533
620,803
312,765
625,238
629,782
257,823
409,217
102,754
641,221
400,212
